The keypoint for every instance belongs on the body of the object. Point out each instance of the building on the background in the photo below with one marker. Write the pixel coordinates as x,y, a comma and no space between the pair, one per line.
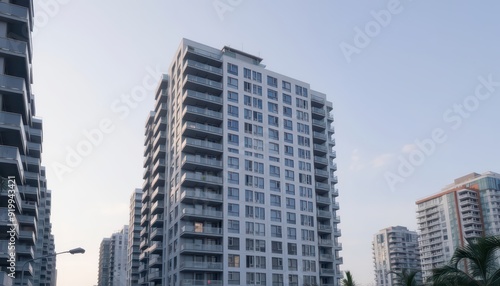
20,157
239,183
466,209
113,259
134,238
104,275
395,249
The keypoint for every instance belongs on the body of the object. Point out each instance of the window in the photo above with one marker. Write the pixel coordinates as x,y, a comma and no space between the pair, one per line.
233,278
309,265
277,263
260,229
293,279
233,260
303,128
291,218
292,265
276,231
233,178
232,124
257,103
305,192
248,141
258,167
307,235
257,76
272,107
257,89
274,148
272,94
305,179
233,209
287,111
232,82
249,180
289,163
249,227
233,139
308,250
232,96
233,162
290,189
275,186
272,81
260,245
233,243
290,203
292,249
289,175
249,212
301,103
304,141
304,154
257,116
260,213
288,150
249,244
273,134
276,247
274,171
276,200
306,220
248,196
287,99
247,73
247,113
299,90
258,145
288,124
247,86
291,233
285,85
276,215
259,198
232,68
273,159
233,193
232,150
233,226
273,120
301,115
247,100
232,110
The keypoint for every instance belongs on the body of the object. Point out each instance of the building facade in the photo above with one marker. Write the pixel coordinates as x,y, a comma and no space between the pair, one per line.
134,238
468,208
24,208
395,249
239,183
113,254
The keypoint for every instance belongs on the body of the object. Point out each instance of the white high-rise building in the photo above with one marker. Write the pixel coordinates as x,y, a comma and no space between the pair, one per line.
468,208
134,238
239,176
113,259
395,249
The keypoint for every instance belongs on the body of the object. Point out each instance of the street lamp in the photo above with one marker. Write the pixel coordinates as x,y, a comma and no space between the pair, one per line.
71,251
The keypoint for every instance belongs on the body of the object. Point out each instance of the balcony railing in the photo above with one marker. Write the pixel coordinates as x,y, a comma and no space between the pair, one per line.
190,193
201,265
205,213
201,161
201,230
201,247
203,96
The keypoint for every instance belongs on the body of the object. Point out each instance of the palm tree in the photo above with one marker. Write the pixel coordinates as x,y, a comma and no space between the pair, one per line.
348,280
474,265
407,277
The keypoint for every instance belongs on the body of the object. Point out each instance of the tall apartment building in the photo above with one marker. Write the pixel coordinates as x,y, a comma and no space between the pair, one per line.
20,154
239,184
134,231
46,268
395,249
113,259
468,208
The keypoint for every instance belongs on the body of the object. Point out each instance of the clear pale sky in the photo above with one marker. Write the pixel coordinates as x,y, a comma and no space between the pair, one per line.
421,71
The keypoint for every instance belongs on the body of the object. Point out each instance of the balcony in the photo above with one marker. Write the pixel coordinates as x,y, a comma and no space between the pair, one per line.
324,214
197,114
156,233
14,92
197,145
337,232
335,206
157,207
12,130
326,272
201,248
317,99
201,266
318,112
192,97
326,257
323,200
191,230
196,162
320,149
190,195
201,213
319,137
27,220
158,180
30,207
11,163
322,186
325,242
202,56
157,220
325,228
320,162
193,129
321,174
27,235
158,194
195,179
160,139
6,221
203,70
321,124
201,84
192,282
156,247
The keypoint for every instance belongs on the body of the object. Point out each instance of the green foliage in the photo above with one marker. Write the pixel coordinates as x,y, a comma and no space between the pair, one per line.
348,280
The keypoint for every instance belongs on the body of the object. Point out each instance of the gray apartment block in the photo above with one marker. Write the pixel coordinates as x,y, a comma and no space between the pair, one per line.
20,154
239,180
